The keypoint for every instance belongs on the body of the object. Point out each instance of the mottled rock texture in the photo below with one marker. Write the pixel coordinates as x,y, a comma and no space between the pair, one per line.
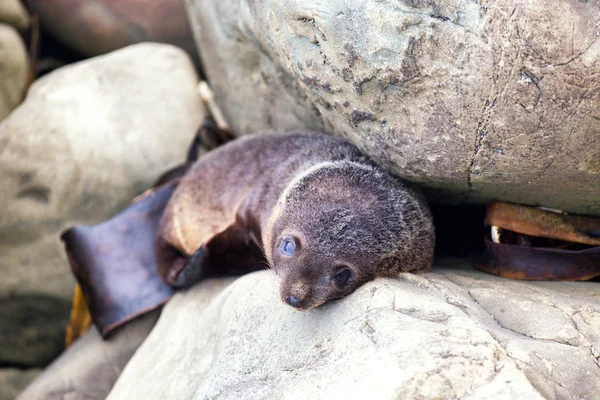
452,333
87,139
481,100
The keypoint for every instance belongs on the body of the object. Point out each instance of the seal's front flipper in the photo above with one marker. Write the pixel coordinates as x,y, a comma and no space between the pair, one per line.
227,253
192,271
114,261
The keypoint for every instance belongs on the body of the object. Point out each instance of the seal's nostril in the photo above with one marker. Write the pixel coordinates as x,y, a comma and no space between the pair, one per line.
292,301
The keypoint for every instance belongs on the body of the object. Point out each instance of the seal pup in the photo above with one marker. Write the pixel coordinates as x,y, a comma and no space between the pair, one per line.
311,206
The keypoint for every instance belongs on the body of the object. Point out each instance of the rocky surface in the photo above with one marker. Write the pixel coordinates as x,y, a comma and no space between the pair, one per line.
90,367
452,333
14,62
13,13
481,100
14,69
12,381
88,138
94,27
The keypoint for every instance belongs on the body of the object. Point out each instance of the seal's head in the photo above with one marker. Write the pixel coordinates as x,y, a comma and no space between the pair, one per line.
341,224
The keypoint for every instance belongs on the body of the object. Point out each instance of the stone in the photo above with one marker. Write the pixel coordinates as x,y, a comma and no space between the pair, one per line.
474,101
442,334
552,334
13,13
14,69
12,381
89,368
94,27
87,139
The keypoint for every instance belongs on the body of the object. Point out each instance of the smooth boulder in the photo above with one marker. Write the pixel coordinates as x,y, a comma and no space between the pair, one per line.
94,27
90,367
14,69
88,138
473,101
12,381
12,12
451,333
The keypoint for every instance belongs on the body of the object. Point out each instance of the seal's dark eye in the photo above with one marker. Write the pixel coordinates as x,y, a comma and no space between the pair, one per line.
288,247
343,277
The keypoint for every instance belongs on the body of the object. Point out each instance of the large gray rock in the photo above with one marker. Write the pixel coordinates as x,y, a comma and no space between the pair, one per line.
88,138
452,333
14,69
495,100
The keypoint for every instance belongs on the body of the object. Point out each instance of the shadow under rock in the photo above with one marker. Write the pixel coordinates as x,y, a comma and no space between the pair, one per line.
32,330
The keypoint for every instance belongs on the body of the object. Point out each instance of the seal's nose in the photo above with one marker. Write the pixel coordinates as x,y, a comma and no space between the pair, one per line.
292,301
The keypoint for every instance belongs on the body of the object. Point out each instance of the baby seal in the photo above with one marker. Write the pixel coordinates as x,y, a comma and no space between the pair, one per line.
311,206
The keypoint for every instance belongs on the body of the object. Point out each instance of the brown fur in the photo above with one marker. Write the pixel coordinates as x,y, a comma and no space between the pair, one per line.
237,203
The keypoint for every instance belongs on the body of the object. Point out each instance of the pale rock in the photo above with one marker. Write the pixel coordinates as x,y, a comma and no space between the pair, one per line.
475,101
89,368
13,13
88,138
14,67
12,381
433,335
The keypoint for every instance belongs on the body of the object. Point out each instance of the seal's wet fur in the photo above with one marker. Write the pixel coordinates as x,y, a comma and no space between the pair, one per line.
349,219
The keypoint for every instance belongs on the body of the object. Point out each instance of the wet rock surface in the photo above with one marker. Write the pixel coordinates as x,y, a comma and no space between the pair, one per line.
451,333
481,101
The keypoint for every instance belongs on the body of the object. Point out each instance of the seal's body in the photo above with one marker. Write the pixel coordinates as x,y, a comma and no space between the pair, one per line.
323,216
